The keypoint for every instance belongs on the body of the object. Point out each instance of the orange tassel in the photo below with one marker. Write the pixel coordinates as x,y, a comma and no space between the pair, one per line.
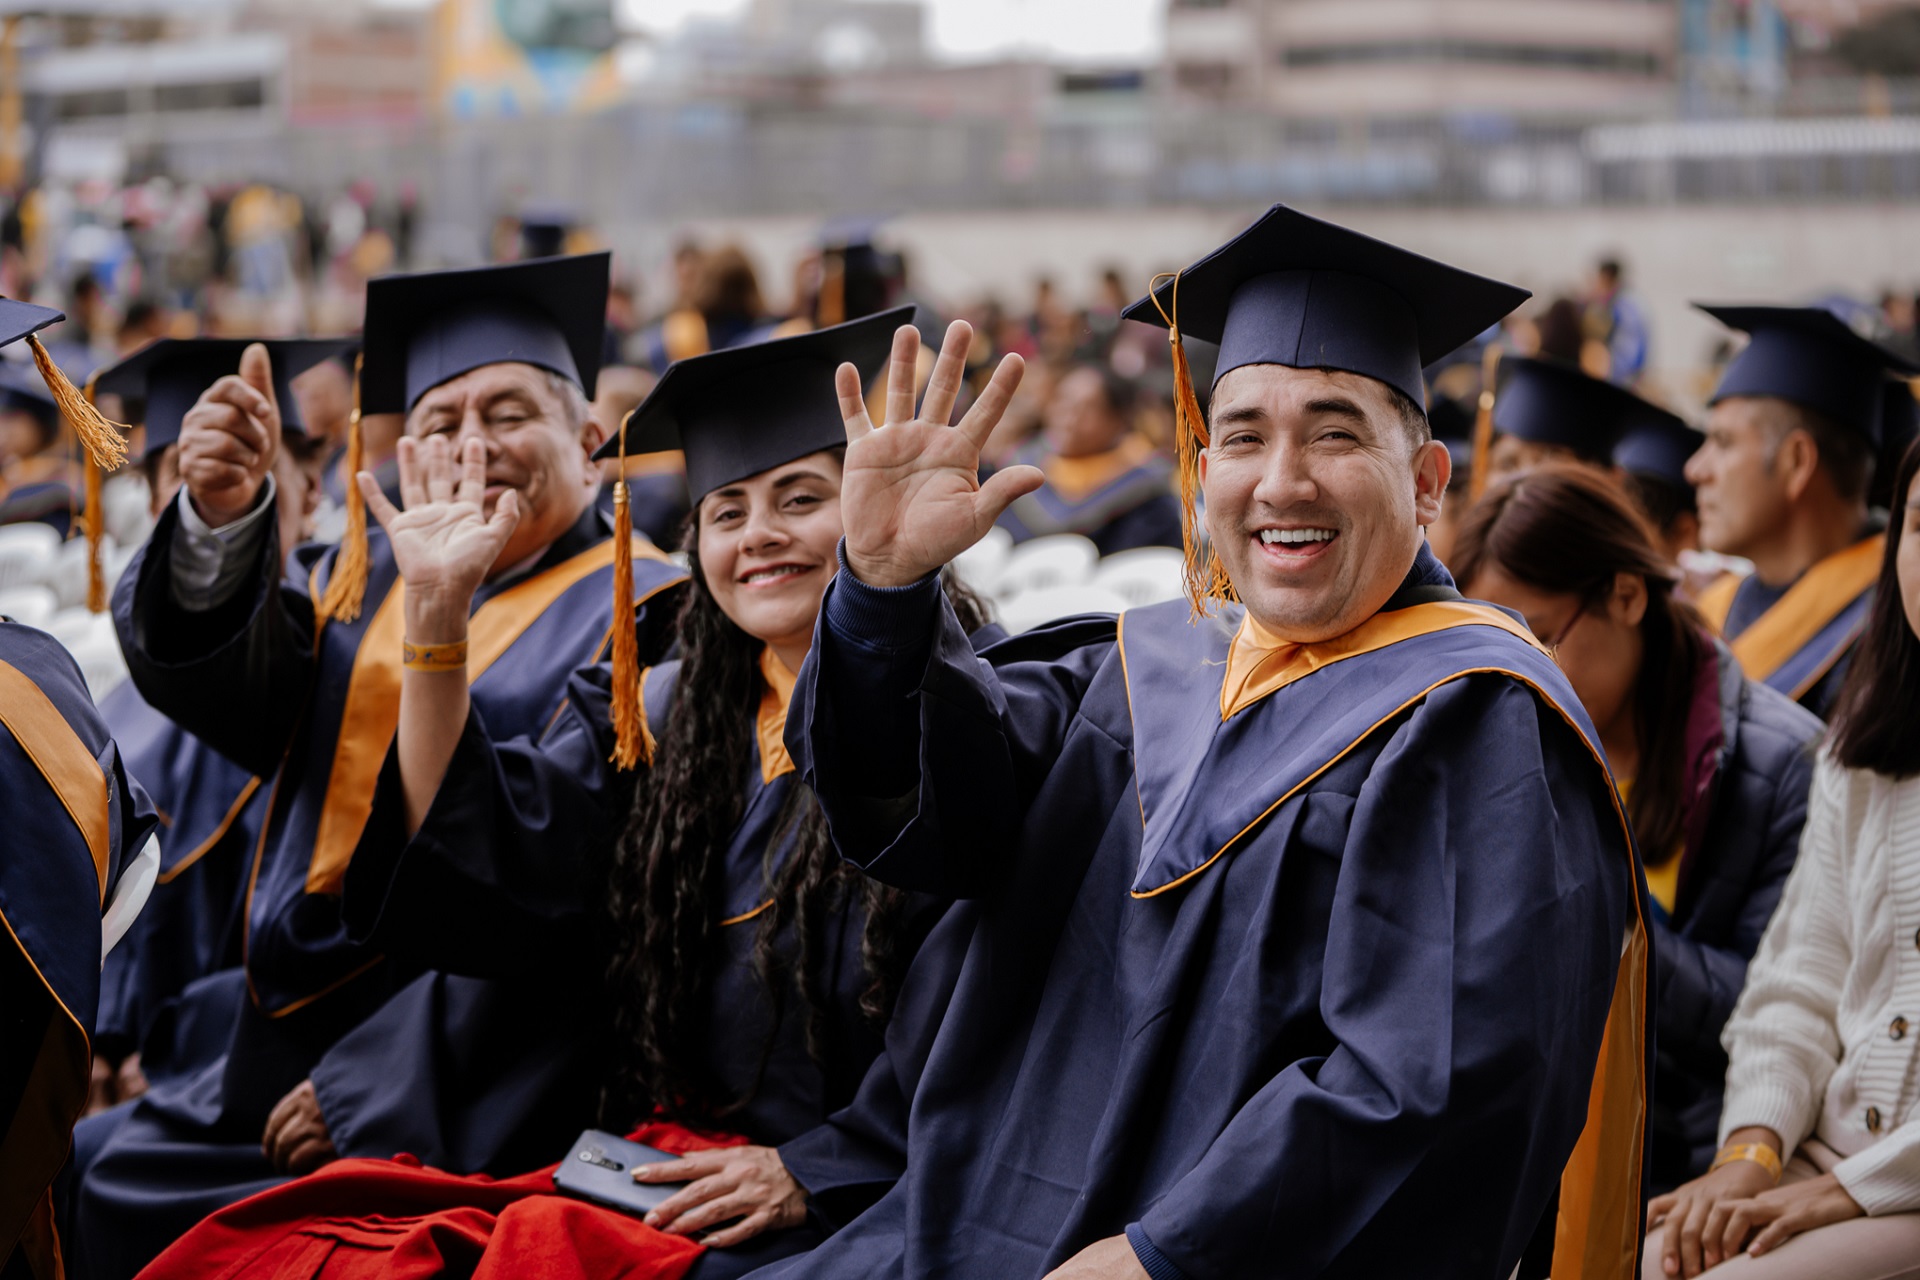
347,586
629,742
105,447
1205,582
1483,423
94,518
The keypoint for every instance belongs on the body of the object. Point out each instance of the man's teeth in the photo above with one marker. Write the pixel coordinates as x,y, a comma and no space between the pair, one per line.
1271,536
767,575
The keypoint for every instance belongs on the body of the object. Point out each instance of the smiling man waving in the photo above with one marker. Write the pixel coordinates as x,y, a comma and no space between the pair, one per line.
1304,925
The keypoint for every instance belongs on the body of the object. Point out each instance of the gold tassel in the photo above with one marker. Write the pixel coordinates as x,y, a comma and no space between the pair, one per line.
104,441
95,518
1483,423
347,586
1208,582
629,742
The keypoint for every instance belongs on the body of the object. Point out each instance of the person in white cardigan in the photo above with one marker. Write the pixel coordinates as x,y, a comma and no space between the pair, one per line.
1818,1173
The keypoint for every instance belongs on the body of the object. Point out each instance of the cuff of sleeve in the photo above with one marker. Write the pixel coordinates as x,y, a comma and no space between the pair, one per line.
195,525
1157,1264
886,619
1885,1178
1788,1112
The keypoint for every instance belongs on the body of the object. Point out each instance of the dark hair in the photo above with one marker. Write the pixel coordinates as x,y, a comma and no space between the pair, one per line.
666,898
1879,705
1610,268
1845,455
1567,528
1562,331
1661,502
728,285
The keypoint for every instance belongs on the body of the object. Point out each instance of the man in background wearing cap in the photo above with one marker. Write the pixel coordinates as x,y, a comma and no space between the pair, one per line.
38,481
1297,929
1546,410
299,681
213,807
1782,481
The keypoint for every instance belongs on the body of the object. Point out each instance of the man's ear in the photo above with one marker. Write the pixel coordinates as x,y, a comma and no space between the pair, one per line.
1797,462
1432,471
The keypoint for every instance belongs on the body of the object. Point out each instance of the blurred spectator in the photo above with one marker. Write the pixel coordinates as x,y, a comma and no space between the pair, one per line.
1618,324
1558,333
725,307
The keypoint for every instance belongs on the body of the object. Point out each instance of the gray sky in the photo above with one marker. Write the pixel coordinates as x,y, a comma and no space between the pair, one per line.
966,30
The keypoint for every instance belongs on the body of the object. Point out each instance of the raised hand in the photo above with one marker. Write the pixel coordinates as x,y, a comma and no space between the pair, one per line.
443,541
229,439
911,496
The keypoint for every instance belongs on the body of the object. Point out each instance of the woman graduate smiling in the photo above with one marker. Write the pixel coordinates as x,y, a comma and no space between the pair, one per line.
750,972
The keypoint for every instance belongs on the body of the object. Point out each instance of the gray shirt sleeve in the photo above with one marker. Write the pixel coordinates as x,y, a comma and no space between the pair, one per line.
209,565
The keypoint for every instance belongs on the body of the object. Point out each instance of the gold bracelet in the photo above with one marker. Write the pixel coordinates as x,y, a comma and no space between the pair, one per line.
434,657
1757,1152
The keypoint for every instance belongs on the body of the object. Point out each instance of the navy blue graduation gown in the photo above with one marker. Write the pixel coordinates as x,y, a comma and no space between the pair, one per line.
74,821
1315,989
210,810
1800,641
313,707
1134,508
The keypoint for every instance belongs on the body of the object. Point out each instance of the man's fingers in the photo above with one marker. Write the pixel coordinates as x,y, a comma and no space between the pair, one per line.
242,395
949,373
1001,490
740,1232
663,1170
506,514
256,370
473,471
902,367
383,511
986,412
309,1154
439,470
720,1209
686,1199
853,402
413,484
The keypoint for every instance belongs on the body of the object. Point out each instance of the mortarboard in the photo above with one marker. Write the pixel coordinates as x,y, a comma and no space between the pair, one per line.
1810,357
738,411
1656,447
426,328
1551,403
22,391
1297,291
544,229
169,374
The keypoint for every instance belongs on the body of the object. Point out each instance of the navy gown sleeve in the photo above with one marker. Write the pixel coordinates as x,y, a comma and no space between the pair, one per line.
236,676
1460,1043
498,881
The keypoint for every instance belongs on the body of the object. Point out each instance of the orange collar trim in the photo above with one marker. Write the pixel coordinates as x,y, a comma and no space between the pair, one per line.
70,770
1808,606
1260,663
665,462
1075,478
772,724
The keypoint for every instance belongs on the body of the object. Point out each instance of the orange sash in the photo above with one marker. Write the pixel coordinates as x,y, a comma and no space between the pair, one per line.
1803,612
63,760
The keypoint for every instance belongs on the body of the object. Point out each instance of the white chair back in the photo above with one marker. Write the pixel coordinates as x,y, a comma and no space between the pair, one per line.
1046,564
1034,608
979,565
35,606
1144,575
26,554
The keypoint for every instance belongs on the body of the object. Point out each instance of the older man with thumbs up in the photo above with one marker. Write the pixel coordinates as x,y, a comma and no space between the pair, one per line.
316,1046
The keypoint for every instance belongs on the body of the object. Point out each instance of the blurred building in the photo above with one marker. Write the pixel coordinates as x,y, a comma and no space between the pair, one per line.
1422,58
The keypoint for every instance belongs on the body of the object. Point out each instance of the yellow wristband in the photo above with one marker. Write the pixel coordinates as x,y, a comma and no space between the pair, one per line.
434,657
1757,1152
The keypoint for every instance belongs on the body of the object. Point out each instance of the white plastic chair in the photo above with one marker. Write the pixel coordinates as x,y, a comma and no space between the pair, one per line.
126,503
1032,608
1144,575
1044,564
100,660
979,565
26,554
71,626
35,606
69,576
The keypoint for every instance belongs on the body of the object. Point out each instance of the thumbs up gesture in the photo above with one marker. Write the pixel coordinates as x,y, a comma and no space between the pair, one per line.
229,439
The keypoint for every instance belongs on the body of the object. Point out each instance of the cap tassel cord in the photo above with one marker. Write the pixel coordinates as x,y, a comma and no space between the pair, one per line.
347,586
1208,582
629,743
1483,423
94,519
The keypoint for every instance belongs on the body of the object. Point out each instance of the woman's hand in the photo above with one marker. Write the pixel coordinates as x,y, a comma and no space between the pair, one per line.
1780,1214
911,495
296,1140
443,542
748,1183
1687,1247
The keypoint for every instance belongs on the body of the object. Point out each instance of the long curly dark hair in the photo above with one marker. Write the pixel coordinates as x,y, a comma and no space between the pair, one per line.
668,891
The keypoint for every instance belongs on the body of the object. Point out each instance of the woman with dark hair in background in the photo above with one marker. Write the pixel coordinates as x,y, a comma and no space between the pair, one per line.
1819,1168
1713,767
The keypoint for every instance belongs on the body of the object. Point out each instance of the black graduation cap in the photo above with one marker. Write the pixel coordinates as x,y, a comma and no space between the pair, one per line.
738,411
19,319
169,374
543,230
1297,291
425,328
1811,357
1553,403
1452,424
23,391
1656,447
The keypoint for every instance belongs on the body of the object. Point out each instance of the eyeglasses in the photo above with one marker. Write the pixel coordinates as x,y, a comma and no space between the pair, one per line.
1560,637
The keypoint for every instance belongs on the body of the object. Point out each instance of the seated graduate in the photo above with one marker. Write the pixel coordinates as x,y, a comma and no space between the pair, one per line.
1301,936
296,676
1651,457
1104,480
210,806
77,857
1714,767
1546,410
38,479
748,970
1783,479
1819,1165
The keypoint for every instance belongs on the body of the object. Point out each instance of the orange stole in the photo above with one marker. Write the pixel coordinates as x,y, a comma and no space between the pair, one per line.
1803,612
1076,478
372,711
771,724
63,760
1597,1230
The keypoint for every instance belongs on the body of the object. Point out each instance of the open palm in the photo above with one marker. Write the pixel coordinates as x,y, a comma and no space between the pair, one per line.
911,496
443,541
